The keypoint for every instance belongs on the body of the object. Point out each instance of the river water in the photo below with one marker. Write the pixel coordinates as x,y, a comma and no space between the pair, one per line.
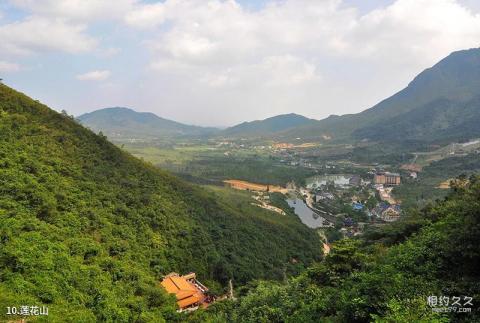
307,216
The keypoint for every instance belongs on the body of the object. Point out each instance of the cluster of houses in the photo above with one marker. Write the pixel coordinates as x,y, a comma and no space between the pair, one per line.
388,209
387,212
384,211
324,196
385,193
355,180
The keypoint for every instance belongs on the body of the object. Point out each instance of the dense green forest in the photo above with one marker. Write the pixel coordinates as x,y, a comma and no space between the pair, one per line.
425,188
88,230
122,124
385,276
266,127
206,164
253,169
438,105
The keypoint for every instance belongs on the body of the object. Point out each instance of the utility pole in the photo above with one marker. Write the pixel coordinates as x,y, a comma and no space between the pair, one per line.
230,292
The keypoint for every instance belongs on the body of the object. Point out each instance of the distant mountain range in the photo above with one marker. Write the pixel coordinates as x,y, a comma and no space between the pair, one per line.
441,104
125,123
268,127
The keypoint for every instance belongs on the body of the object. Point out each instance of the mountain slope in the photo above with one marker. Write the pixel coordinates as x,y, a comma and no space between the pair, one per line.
442,120
387,275
124,123
269,126
88,230
444,97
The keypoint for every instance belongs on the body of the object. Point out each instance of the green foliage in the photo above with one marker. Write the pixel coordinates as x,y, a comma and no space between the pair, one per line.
398,231
425,189
439,121
253,169
407,311
389,153
209,164
366,280
123,124
440,104
278,200
267,127
88,230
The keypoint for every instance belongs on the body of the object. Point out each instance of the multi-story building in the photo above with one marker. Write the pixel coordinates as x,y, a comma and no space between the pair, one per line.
386,178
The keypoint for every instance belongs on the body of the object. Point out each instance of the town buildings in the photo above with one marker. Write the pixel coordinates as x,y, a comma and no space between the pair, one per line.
387,213
355,180
387,178
392,213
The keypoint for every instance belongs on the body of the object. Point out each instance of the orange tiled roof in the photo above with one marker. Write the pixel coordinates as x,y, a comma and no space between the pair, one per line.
182,283
185,292
182,294
170,286
188,301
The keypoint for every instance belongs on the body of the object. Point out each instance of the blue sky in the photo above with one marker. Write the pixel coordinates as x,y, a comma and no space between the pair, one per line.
222,62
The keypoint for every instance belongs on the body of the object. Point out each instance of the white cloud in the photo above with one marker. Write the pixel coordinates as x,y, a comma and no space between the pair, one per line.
6,67
288,70
94,76
84,10
200,33
297,54
414,32
36,34
215,61
147,16
61,25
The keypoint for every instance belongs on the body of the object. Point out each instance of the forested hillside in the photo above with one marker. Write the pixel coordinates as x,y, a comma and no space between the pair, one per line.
387,275
441,103
267,127
88,230
126,124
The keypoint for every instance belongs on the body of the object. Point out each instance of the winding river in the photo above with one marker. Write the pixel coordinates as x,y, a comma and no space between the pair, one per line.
307,216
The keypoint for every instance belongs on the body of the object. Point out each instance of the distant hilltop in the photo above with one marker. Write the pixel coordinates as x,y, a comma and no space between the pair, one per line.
440,105
123,123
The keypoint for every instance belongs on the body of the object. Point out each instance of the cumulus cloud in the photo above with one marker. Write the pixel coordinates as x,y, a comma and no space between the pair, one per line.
99,75
6,67
36,34
147,16
420,31
298,54
61,25
216,61
84,10
222,32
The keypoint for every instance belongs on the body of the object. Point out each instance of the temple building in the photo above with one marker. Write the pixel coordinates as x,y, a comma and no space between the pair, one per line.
189,292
